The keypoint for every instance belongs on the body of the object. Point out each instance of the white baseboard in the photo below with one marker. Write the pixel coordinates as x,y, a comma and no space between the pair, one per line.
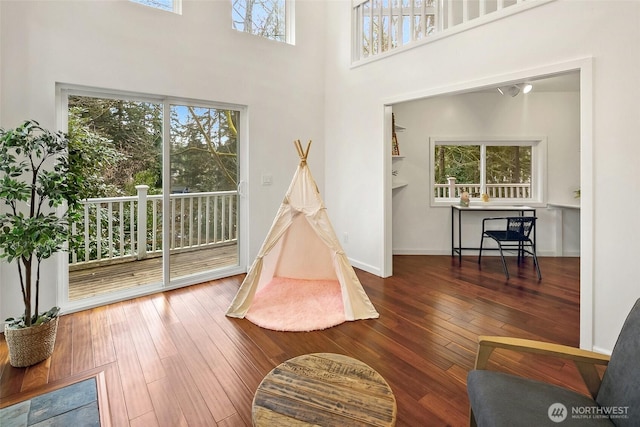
366,267
416,251
602,350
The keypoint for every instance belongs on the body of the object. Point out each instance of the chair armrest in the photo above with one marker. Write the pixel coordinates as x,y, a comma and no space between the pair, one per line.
584,360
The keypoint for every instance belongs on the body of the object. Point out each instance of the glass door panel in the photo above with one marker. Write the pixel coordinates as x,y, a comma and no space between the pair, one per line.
204,203
117,143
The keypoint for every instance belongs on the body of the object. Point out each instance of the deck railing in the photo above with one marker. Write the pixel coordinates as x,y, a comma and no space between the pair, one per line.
126,228
453,190
381,26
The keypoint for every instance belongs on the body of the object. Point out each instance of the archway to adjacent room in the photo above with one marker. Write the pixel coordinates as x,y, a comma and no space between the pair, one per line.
583,68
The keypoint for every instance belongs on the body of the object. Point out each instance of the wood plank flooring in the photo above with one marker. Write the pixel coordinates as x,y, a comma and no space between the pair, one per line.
174,358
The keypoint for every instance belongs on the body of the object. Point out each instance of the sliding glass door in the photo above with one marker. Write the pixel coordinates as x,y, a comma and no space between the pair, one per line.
162,207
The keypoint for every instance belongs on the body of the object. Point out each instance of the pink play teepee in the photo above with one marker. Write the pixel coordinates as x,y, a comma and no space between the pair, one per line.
302,253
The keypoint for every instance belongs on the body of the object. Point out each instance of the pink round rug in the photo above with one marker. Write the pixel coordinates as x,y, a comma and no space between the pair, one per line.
297,305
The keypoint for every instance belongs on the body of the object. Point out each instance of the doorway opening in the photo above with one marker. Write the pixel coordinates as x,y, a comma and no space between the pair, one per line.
583,161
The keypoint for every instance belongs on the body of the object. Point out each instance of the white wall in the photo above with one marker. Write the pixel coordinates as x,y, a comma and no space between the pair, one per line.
554,33
126,46
417,226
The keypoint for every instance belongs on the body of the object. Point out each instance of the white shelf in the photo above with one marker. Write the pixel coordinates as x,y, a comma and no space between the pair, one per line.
398,183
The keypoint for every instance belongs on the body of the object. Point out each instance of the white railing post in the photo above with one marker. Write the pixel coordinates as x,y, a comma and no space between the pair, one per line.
452,186
142,220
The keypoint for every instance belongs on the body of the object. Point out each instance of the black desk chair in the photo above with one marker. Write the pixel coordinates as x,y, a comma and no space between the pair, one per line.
515,235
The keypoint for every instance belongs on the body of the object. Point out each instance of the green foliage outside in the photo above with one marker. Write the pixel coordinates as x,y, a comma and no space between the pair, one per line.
504,164
123,149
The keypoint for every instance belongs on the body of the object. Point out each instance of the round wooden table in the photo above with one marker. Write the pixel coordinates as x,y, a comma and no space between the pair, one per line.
323,389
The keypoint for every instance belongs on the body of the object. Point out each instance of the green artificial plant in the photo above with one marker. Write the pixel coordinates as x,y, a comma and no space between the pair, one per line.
40,193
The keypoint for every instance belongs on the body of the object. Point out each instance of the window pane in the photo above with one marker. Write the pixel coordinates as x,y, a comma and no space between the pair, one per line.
133,129
204,145
117,146
508,165
158,4
508,171
264,18
204,177
459,161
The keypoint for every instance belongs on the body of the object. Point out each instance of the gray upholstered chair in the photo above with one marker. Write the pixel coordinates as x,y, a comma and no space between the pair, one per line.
500,399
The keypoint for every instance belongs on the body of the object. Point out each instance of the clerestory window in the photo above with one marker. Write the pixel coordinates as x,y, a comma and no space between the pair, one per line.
503,170
271,19
174,6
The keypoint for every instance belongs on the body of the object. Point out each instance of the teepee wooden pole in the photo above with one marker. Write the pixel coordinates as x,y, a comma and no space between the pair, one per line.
302,153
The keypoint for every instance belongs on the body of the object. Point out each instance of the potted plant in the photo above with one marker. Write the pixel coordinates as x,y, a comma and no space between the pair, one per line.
36,182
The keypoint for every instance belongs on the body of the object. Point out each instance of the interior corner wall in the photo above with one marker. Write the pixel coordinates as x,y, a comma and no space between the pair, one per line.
356,151
125,46
417,226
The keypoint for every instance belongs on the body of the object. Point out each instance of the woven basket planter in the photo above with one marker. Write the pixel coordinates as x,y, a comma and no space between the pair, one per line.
28,346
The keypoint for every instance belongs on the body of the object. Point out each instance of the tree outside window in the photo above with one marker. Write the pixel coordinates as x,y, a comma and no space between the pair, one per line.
265,18
500,169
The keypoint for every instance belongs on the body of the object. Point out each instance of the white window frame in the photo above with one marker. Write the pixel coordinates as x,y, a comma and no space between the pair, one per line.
63,91
538,146
289,24
176,5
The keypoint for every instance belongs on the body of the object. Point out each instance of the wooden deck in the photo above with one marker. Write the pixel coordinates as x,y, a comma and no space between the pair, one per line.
88,282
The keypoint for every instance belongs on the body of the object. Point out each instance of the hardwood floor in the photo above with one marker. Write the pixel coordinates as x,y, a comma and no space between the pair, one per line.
175,359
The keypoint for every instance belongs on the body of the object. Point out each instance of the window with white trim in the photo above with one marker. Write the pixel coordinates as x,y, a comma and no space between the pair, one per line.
271,19
174,6
505,170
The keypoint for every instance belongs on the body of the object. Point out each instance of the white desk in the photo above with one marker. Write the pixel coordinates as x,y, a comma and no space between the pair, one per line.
480,208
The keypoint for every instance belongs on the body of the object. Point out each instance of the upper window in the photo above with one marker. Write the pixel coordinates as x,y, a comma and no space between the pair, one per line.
168,5
382,25
503,170
266,18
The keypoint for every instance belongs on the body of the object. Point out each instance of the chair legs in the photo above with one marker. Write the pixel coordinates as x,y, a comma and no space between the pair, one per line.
504,263
535,261
521,252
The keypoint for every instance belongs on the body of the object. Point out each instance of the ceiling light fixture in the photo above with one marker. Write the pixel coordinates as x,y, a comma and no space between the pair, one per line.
514,90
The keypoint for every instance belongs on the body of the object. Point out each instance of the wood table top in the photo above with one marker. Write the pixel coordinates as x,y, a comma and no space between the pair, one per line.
323,389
